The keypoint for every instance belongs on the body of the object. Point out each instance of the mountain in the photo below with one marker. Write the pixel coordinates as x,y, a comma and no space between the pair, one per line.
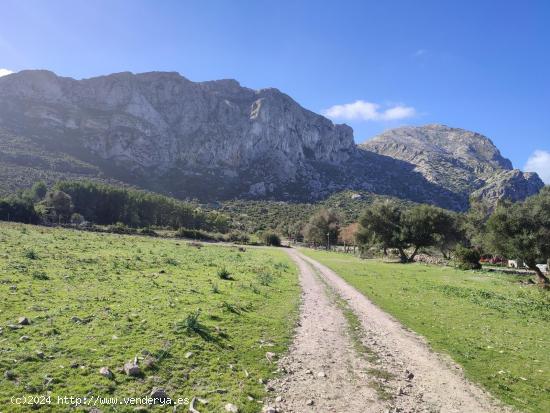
465,162
218,140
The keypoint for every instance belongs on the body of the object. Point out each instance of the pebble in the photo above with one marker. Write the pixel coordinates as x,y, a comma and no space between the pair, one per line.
321,374
309,402
132,369
23,321
40,354
278,399
9,375
24,338
189,354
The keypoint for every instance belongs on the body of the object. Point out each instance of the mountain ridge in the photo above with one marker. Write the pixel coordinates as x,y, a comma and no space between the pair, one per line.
219,140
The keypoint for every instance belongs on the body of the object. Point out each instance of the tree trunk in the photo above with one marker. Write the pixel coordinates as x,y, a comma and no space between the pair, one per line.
411,258
543,280
402,256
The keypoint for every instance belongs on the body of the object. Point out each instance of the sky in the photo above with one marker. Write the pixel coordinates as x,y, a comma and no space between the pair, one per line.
479,65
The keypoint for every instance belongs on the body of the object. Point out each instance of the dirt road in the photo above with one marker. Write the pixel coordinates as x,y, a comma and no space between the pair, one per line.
350,356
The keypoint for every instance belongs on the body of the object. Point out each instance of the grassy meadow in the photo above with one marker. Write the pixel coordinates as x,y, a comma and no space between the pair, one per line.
199,319
496,327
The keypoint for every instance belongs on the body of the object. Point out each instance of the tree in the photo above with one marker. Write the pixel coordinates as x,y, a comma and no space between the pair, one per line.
348,235
38,191
60,203
390,226
522,231
271,238
18,210
448,230
381,224
474,222
323,228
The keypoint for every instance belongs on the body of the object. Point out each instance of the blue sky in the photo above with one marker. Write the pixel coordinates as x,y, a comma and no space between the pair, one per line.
480,65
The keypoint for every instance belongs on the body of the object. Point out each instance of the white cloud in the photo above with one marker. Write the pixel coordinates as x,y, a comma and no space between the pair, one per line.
539,162
4,72
368,111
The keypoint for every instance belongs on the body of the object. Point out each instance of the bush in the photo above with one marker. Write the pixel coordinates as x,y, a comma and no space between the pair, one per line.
31,254
271,238
148,231
77,218
120,228
239,237
467,258
198,234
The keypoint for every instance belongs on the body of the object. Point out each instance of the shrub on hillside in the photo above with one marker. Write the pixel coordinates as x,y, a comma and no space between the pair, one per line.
467,258
197,234
77,219
148,231
238,237
271,238
120,228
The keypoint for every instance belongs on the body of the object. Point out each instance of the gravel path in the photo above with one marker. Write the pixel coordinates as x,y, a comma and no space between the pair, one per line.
350,356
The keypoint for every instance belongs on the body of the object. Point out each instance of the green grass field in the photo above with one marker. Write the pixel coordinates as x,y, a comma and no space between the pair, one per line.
100,300
494,326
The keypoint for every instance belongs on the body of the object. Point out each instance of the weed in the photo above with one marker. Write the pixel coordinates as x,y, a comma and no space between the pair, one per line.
265,278
224,274
171,261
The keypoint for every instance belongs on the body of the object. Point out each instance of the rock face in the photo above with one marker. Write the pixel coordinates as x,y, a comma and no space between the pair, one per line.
215,140
464,162
165,127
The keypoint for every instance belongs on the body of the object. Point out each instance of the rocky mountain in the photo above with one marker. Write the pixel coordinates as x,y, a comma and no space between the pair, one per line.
462,161
218,140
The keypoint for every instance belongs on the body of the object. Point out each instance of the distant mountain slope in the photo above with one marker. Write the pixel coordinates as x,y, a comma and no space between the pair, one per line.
464,162
217,140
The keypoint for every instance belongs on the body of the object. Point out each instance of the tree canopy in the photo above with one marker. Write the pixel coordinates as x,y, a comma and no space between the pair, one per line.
522,231
390,225
323,228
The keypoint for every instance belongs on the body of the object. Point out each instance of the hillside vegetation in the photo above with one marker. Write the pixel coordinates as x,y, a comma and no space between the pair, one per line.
495,326
199,319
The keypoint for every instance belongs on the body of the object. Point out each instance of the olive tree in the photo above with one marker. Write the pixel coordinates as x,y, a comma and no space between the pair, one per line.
323,228
391,226
522,231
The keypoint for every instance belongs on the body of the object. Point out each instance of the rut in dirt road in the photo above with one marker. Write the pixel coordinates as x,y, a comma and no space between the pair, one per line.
349,356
